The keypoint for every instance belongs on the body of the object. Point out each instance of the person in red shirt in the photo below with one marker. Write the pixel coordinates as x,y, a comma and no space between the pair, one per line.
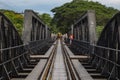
71,38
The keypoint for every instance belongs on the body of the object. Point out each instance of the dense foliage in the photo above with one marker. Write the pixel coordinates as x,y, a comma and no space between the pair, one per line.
68,13
99,30
47,19
15,18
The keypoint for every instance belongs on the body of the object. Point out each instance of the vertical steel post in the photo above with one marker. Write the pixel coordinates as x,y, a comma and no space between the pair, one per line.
71,29
46,32
27,26
92,26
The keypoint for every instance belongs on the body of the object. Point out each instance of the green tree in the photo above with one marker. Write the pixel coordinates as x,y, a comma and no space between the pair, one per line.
69,13
99,30
15,18
47,19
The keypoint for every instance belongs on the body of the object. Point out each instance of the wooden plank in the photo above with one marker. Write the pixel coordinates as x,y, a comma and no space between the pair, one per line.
17,79
38,57
79,57
36,72
82,72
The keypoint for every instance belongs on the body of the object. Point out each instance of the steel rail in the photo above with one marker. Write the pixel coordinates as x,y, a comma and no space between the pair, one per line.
48,65
72,73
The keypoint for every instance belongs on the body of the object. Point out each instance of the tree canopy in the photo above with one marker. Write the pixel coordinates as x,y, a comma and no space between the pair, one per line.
15,18
67,14
47,19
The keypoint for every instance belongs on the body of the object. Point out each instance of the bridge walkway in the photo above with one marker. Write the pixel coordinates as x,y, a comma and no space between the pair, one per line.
59,71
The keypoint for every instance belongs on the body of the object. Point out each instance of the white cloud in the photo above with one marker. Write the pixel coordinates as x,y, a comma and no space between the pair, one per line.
110,3
34,2
39,5
46,5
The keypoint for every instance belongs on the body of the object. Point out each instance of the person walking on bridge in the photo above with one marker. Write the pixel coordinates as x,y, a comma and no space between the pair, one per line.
71,38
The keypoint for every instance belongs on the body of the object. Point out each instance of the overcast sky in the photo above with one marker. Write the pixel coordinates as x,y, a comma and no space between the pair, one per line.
44,6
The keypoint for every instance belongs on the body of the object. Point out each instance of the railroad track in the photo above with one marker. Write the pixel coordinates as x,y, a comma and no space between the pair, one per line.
59,66
59,63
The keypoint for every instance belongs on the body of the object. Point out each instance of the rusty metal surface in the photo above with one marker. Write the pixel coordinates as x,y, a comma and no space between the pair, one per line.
36,72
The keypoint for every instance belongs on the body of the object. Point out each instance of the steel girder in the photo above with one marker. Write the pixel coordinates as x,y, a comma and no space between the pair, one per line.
34,28
9,37
84,28
14,54
108,49
84,33
105,53
11,46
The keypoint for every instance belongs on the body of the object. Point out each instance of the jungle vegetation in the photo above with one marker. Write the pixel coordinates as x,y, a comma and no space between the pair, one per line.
66,15
69,13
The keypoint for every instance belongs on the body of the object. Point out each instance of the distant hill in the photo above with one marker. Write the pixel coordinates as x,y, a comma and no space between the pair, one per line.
68,13
15,18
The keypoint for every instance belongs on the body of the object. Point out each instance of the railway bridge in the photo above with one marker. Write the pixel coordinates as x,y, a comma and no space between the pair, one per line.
37,56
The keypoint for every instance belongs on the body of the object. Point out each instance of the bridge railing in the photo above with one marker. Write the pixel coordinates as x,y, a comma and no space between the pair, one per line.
11,67
84,33
106,55
39,47
34,28
14,54
35,32
12,50
9,37
104,63
80,47
84,28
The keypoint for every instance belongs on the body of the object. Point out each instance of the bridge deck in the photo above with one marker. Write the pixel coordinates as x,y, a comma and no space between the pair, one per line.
61,64
59,71
27,59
